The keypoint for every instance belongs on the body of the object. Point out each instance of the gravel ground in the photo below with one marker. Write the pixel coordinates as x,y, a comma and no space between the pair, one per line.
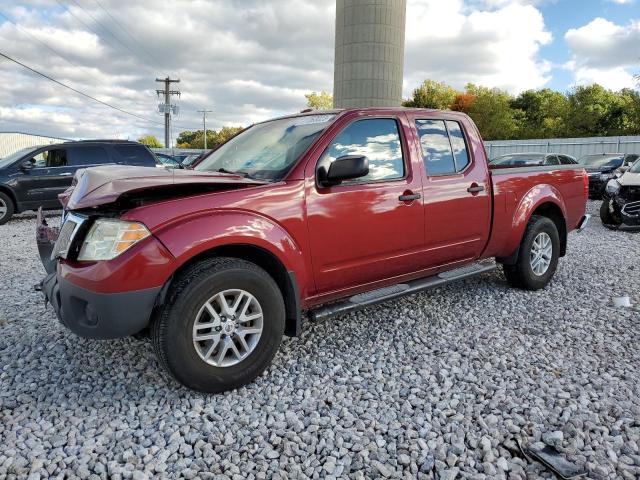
436,385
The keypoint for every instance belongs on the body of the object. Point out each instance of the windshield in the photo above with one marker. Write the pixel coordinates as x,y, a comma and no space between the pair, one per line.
519,160
600,160
16,156
267,150
635,168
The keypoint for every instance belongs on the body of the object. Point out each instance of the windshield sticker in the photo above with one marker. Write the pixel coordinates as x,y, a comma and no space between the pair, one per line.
311,119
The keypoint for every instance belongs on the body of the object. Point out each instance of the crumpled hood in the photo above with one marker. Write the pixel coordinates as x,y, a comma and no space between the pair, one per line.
103,185
630,180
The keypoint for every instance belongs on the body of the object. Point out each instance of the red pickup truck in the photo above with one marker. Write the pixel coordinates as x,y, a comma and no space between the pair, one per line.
319,212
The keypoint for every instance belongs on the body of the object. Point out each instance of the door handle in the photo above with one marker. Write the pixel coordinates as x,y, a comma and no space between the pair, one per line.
475,188
409,197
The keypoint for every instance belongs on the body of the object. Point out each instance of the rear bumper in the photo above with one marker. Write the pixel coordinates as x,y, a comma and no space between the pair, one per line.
99,315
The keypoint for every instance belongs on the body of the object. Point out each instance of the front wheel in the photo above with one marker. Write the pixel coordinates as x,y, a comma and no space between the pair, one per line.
538,255
221,325
609,220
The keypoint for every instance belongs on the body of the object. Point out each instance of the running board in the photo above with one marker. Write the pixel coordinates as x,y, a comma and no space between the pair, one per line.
373,297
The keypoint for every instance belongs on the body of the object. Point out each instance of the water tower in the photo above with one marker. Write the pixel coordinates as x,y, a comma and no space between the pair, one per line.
369,57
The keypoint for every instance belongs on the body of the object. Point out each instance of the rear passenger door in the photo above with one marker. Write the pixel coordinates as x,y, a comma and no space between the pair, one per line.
457,193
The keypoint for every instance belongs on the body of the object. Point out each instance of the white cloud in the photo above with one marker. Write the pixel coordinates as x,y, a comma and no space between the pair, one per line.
604,52
457,43
622,2
246,59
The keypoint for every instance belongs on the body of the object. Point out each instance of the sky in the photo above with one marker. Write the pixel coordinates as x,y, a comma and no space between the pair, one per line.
250,60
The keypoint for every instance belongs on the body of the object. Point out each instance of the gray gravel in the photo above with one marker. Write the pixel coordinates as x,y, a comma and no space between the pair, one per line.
436,385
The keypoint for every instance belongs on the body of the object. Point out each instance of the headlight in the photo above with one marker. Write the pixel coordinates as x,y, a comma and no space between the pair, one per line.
613,187
108,238
606,176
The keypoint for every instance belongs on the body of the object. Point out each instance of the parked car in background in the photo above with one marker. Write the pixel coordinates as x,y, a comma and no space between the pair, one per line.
167,161
532,159
34,177
601,167
621,203
319,212
190,160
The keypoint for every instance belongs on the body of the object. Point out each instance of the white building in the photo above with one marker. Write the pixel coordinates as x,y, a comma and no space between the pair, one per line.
13,141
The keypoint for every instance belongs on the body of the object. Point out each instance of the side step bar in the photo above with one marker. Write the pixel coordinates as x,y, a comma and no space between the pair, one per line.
373,297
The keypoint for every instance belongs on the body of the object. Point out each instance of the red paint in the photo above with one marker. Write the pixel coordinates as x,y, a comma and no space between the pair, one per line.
338,240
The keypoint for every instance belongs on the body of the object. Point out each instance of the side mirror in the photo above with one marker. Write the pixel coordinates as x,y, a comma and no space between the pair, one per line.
344,168
26,165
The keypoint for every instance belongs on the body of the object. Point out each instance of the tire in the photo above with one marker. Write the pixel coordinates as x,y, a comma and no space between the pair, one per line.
608,220
7,208
522,274
173,328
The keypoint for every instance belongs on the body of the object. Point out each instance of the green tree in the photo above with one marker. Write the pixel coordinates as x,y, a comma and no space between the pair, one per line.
195,139
150,141
595,111
320,101
492,113
543,113
432,94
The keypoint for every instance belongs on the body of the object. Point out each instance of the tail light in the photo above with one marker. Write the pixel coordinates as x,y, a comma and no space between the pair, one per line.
585,183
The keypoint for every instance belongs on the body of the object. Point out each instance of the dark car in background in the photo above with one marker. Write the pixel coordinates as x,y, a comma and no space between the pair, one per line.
601,167
34,176
532,159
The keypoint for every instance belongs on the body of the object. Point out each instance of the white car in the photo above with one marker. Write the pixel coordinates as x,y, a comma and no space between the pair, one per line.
621,205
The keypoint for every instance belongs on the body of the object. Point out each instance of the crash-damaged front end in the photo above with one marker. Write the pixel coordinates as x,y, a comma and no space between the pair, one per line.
621,202
90,292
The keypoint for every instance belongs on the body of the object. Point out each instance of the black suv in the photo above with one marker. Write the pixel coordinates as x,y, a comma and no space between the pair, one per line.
34,176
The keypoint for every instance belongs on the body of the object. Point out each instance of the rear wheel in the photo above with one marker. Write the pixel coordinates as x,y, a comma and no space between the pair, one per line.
6,208
221,325
538,255
609,220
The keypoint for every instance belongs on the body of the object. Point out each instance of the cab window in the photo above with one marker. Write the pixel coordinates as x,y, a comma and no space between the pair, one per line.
444,150
51,158
378,139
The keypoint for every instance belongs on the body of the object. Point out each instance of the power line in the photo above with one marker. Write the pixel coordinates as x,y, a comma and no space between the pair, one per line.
151,56
104,28
51,49
76,90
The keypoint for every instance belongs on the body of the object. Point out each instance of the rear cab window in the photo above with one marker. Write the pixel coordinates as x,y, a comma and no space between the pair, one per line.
379,140
444,148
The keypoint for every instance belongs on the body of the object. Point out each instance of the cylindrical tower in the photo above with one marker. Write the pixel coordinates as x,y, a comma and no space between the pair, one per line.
369,56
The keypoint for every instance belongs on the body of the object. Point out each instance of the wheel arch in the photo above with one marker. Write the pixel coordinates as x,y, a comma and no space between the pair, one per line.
544,201
270,263
7,191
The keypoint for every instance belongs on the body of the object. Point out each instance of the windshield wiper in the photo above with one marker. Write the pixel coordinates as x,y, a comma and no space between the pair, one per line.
224,170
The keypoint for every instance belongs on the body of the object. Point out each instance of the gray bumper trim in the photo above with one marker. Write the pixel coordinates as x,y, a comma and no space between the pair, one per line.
99,315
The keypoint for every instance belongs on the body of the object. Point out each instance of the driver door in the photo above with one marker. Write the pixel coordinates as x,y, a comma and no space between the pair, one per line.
50,176
370,228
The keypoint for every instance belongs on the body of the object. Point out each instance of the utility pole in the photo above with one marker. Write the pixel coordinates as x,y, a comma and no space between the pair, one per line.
204,124
167,92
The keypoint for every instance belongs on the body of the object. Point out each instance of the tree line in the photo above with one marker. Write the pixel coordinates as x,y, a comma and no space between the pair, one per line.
584,111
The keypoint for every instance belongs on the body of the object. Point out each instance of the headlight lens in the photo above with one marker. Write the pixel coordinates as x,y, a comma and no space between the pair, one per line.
613,187
606,176
108,238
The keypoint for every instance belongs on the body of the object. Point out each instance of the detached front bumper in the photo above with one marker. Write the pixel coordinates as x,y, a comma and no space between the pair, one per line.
98,315
90,313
